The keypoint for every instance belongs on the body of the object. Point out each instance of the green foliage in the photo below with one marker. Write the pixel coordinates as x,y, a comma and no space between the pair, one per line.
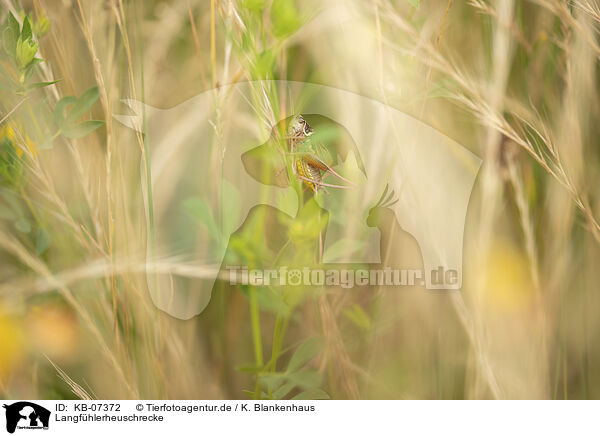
275,302
75,108
20,45
308,379
256,6
305,353
248,246
308,225
199,209
82,104
26,47
231,203
296,376
285,17
312,394
10,34
82,129
264,64
42,241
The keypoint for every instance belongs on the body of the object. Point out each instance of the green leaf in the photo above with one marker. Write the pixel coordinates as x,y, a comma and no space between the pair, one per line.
40,84
26,50
34,62
256,6
306,379
59,109
23,225
83,104
10,35
9,41
272,301
13,24
414,3
305,353
263,66
312,394
26,32
272,381
42,241
198,209
326,135
285,389
263,395
82,129
309,223
285,17
287,202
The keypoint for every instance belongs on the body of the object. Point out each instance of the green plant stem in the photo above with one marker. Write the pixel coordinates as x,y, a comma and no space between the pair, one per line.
276,347
256,335
281,325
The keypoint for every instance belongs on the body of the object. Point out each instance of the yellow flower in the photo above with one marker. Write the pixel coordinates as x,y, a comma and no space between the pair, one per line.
11,348
509,284
8,132
54,331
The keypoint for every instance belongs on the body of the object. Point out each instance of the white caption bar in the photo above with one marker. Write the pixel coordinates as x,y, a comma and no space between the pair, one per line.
147,417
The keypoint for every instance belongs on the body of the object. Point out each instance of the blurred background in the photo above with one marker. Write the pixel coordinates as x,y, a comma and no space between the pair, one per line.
514,81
